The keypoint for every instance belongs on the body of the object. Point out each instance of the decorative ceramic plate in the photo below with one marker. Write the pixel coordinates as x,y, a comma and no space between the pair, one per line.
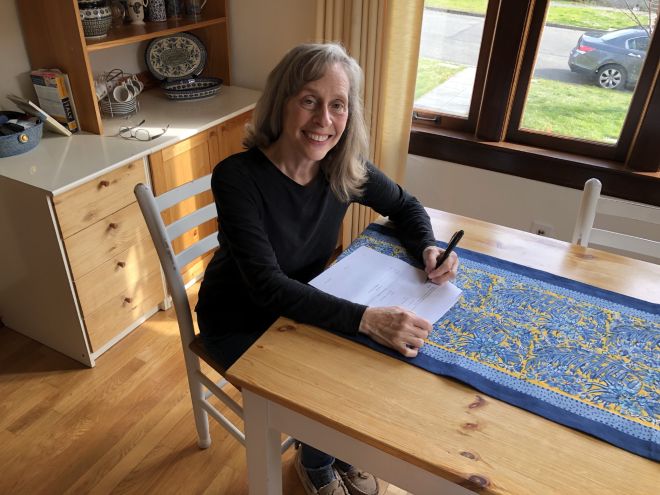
178,56
192,89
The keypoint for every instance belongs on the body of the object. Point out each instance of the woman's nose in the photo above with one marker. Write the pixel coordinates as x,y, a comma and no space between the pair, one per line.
322,116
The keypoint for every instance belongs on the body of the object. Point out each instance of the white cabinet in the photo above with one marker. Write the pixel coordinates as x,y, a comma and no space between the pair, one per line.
80,271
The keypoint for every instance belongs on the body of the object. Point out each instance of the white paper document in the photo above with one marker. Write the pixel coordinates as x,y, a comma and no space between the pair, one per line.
368,277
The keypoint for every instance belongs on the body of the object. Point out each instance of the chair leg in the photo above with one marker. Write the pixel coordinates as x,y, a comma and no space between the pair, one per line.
197,396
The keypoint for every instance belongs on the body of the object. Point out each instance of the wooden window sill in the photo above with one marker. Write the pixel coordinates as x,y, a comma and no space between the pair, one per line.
554,167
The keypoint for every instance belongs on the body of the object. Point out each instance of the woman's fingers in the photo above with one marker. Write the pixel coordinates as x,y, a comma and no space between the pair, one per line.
396,328
445,272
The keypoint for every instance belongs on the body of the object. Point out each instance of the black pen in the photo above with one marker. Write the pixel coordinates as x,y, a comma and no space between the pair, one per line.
450,247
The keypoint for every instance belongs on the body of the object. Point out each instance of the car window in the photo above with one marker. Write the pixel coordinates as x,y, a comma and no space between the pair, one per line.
639,43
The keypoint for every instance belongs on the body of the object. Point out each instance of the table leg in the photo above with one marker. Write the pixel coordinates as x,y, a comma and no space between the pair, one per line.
262,444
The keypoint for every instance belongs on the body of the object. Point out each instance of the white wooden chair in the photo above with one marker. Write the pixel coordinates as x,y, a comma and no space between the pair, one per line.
593,204
201,386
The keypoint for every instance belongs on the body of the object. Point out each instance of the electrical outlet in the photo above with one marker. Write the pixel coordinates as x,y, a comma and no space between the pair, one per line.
540,228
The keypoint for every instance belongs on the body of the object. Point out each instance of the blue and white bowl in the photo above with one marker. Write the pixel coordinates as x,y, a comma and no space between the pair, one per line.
192,89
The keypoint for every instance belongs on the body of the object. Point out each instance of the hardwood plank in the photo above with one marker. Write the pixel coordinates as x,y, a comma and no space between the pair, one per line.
123,427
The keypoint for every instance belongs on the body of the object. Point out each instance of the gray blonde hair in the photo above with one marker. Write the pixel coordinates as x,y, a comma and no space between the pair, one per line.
344,165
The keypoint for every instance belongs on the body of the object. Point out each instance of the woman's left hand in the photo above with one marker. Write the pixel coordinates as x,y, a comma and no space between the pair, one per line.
445,272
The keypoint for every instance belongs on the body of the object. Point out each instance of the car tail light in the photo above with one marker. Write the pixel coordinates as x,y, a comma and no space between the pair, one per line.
585,48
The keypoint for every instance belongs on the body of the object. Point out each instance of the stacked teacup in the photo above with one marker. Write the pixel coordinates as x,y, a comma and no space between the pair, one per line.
119,96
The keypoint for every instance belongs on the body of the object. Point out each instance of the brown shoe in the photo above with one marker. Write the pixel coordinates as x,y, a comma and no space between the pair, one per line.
358,482
335,487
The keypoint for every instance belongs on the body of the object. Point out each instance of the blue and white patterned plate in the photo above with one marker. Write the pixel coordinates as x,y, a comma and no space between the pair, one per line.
179,56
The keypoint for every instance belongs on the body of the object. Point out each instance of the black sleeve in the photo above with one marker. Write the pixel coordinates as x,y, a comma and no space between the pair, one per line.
239,213
411,221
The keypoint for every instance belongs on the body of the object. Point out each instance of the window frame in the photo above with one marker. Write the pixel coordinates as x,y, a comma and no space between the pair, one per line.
490,138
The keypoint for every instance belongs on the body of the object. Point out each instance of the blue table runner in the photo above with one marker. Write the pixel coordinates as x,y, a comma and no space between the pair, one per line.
584,357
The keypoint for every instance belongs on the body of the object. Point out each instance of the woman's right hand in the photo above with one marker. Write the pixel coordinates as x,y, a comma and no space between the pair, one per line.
396,328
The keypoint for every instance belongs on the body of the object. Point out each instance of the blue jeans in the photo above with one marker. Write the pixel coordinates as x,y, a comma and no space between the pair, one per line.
319,465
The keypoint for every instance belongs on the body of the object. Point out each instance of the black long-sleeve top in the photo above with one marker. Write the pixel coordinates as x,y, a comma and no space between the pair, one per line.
276,235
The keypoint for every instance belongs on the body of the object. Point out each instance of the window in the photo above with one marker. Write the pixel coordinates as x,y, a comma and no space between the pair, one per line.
555,91
641,44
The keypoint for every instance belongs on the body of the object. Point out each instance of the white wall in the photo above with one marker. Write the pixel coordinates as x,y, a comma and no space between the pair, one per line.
15,73
492,196
508,200
262,31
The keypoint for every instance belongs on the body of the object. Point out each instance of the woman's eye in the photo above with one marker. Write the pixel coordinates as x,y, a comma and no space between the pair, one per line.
338,107
308,103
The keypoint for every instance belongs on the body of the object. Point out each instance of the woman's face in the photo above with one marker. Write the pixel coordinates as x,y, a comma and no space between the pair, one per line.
315,118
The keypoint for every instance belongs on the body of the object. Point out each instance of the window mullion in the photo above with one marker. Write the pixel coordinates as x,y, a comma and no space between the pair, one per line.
643,155
511,30
643,122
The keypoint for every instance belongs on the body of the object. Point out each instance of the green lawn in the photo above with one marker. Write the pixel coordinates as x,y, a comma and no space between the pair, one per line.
578,111
432,73
564,13
574,110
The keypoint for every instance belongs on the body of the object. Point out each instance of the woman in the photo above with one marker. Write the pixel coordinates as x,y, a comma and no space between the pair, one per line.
280,206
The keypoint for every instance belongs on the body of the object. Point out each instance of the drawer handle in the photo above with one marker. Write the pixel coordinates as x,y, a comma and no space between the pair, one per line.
128,300
113,225
121,264
103,183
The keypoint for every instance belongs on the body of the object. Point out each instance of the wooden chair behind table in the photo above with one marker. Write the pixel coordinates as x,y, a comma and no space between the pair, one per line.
201,386
594,205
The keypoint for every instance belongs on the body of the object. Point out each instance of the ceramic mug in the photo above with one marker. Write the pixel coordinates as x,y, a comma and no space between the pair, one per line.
174,8
136,10
138,86
123,93
157,12
194,8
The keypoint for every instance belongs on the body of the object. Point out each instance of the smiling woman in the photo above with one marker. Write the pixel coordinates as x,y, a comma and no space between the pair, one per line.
280,208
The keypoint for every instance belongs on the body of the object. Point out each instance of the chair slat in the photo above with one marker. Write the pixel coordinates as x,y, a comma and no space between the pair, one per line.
627,209
185,223
199,248
625,242
178,194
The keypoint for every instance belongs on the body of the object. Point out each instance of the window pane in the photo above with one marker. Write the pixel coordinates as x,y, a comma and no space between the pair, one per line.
451,39
589,60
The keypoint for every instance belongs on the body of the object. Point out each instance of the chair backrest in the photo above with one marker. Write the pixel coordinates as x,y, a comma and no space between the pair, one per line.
593,205
163,236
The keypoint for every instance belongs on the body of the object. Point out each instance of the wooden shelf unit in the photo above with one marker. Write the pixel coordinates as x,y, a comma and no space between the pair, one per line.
131,33
54,38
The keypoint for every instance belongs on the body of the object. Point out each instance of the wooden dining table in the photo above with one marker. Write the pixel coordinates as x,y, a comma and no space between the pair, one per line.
425,433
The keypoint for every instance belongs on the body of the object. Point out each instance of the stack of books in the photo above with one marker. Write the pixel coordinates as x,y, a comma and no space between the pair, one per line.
55,98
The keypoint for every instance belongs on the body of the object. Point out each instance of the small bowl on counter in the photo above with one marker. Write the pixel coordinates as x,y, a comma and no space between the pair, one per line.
192,89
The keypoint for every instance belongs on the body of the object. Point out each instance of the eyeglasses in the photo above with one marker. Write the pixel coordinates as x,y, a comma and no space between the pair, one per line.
136,132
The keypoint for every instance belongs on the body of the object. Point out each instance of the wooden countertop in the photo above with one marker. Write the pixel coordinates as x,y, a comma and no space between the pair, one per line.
437,423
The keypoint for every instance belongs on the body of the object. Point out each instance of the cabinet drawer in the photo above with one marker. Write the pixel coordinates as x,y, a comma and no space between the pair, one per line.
98,243
115,276
122,309
98,198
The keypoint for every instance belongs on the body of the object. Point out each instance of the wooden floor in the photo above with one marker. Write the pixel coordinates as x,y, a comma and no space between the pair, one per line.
123,427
